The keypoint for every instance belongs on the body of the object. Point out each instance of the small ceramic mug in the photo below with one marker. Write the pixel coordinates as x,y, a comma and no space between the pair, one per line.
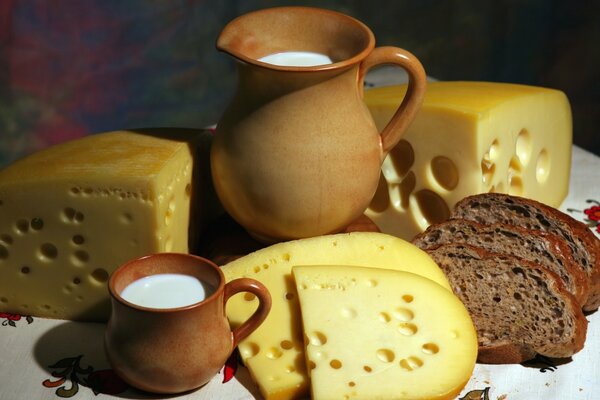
172,350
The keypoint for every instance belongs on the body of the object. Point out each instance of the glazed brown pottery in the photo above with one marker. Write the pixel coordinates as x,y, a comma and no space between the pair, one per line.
172,350
296,153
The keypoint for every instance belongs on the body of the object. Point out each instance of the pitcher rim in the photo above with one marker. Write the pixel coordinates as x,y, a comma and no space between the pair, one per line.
325,67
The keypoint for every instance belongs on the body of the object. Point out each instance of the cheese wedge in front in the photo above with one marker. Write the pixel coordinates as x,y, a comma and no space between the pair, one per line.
72,213
374,333
274,353
469,138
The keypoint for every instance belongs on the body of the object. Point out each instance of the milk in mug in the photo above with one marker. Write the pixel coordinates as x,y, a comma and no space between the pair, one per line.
296,59
167,291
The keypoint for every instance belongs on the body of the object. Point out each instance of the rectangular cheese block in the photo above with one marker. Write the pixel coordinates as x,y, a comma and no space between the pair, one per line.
72,213
274,352
375,333
468,138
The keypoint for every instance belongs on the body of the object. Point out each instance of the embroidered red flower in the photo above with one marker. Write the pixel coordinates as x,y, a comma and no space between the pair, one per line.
10,317
593,213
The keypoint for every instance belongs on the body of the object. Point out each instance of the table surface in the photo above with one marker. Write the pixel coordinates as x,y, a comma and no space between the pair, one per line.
46,359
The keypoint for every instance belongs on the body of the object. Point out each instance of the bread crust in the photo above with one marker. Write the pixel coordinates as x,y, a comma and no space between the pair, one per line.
557,220
572,274
512,349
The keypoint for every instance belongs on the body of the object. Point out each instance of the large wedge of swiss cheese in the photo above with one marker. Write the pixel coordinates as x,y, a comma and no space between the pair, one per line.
382,334
468,138
72,213
274,353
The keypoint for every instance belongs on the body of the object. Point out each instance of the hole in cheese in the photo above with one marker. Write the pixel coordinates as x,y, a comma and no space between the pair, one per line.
403,157
371,282
80,257
25,270
78,239
249,296
48,252
488,169
22,226
37,224
274,353
433,207
367,368
430,348
335,364
286,344
317,339
3,300
405,189
384,317
523,146
348,312
403,314
515,185
289,296
7,239
68,214
99,276
445,172
249,349
381,199
3,252
542,167
407,328
385,355
408,298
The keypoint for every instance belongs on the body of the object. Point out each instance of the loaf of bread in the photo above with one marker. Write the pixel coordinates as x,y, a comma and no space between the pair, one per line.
492,208
519,308
536,246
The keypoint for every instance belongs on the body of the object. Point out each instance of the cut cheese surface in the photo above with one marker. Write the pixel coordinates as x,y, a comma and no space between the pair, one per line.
468,138
72,213
274,352
381,334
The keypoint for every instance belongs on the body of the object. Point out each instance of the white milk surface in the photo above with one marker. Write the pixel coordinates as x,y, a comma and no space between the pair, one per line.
167,291
296,59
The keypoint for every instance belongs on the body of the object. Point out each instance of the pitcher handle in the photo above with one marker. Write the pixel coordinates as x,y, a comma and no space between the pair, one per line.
417,82
264,305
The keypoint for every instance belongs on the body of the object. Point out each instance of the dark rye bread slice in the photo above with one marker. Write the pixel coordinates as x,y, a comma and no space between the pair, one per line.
489,208
519,308
536,246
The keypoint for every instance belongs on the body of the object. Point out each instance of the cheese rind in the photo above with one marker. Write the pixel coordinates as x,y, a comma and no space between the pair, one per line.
72,213
274,352
373,333
468,138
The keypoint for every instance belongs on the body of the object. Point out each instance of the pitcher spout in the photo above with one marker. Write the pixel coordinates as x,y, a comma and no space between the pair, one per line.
252,36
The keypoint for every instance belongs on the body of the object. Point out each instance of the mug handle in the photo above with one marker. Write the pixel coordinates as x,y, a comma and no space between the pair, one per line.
264,305
413,99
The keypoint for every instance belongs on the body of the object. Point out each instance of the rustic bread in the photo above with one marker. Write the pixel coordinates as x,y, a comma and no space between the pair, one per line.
536,246
518,307
491,208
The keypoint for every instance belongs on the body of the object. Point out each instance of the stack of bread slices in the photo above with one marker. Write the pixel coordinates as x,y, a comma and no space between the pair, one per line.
525,271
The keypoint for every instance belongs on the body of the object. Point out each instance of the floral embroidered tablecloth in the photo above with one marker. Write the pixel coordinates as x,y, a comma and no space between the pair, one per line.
47,359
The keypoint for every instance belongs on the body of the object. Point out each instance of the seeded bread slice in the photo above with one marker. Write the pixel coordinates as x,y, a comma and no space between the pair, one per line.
518,307
548,249
492,208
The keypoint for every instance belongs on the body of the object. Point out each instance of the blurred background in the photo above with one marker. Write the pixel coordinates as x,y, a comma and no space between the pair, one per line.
71,68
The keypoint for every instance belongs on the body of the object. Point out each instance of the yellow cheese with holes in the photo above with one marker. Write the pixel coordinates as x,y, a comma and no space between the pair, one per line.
274,352
72,213
468,138
380,334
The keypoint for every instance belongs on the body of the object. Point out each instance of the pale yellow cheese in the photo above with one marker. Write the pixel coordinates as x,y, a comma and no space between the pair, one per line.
274,352
373,333
468,138
72,213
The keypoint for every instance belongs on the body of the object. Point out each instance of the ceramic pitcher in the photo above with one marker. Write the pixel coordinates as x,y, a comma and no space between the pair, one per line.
296,153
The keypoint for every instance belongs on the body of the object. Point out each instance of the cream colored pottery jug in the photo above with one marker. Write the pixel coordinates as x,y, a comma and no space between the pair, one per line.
297,154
